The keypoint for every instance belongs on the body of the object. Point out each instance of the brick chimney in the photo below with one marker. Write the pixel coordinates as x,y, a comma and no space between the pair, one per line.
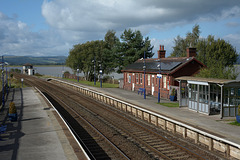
161,52
191,52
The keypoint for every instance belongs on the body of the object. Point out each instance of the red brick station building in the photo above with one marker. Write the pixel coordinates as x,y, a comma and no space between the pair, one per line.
170,68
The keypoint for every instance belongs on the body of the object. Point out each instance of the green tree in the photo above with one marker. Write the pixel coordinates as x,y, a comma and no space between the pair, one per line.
219,56
132,48
82,57
191,40
112,44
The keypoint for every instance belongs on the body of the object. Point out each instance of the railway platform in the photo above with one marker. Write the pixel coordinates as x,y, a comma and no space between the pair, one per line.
38,133
211,124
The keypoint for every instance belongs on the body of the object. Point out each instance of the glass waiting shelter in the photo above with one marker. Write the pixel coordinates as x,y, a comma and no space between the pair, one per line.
210,96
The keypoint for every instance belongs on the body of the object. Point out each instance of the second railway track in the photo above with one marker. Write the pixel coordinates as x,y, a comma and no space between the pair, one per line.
131,136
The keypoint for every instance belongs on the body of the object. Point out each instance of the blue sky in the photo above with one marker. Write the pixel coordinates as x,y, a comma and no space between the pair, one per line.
52,27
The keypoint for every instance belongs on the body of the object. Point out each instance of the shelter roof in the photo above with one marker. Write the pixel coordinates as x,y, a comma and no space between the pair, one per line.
27,64
209,80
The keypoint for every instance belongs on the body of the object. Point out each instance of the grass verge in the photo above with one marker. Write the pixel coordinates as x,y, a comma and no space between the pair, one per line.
104,85
235,123
170,104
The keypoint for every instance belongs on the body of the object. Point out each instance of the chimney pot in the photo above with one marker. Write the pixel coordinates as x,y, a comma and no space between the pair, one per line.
161,52
191,52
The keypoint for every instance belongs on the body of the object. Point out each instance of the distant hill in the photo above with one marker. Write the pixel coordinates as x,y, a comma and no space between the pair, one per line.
238,60
20,60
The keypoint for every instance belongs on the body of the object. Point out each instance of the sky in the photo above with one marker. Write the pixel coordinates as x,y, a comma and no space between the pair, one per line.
52,27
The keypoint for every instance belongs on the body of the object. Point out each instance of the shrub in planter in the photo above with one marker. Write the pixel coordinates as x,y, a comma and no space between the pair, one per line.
12,114
173,94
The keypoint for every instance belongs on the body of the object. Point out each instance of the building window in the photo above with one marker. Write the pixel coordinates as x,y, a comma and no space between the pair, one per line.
149,79
168,86
140,78
129,78
164,82
137,78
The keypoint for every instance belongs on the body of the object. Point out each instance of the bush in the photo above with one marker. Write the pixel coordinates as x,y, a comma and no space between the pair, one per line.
38,74
12,108
173,93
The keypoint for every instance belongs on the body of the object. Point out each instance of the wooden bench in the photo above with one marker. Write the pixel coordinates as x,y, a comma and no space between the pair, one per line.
141,90
3,129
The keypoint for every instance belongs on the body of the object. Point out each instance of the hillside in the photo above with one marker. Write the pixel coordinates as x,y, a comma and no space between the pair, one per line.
20,60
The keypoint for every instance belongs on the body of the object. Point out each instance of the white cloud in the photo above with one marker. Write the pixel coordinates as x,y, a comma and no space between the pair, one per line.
17,39
78,21
234,39
101,15
168,46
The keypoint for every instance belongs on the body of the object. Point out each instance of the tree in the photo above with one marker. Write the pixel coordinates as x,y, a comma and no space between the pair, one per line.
82,57
191,40
112,44
110,53
132,48
219,56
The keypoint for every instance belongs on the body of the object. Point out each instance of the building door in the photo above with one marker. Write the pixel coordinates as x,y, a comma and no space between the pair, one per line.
183,93
152,84
133,85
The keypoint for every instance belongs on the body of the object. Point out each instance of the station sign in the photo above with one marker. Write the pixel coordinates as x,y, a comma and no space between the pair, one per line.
159,75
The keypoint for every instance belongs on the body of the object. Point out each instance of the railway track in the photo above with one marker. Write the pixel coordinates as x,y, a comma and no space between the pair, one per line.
95,144
132,137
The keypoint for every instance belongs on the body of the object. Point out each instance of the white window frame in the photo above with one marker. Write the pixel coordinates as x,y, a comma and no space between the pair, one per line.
140,78
149,79
137,78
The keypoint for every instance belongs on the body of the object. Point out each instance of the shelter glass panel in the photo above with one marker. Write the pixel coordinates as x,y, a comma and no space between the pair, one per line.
215,98
231,101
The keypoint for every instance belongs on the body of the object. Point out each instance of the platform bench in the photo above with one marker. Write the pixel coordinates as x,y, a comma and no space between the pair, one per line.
141,90
3,129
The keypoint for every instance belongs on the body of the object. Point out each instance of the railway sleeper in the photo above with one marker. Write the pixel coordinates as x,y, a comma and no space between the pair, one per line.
174,151
164,145
166,149
183,157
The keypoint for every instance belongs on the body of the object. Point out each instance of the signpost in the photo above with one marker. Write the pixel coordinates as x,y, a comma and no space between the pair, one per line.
159,75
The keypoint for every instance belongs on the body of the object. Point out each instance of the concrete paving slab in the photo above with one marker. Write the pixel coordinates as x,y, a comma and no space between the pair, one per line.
37,134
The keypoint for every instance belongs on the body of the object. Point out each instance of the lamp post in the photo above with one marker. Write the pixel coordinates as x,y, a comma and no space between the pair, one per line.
22,82
3,100
144,70
159,76
94,66
6,77
63,71
100,71
78,75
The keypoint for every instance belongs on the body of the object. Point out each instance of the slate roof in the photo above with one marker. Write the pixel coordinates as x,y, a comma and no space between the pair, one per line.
168,65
